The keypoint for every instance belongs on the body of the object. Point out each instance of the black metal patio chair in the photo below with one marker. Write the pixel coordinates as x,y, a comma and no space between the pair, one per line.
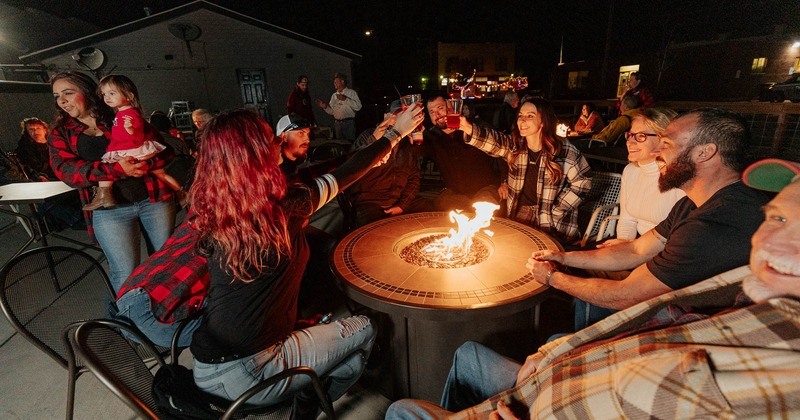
119,367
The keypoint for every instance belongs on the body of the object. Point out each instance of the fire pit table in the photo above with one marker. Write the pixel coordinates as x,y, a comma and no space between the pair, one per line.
431,311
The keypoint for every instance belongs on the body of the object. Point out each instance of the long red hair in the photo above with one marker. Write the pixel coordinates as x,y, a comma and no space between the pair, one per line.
237,193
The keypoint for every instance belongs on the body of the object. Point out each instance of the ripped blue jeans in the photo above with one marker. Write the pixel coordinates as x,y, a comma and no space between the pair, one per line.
338,351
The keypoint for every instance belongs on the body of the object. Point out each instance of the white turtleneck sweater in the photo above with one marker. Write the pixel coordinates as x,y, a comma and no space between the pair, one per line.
642,205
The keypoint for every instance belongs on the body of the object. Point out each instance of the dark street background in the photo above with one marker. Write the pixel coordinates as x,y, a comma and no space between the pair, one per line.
403,45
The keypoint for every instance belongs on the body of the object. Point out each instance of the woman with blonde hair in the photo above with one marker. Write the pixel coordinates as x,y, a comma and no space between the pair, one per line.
642,205
547,176
250,221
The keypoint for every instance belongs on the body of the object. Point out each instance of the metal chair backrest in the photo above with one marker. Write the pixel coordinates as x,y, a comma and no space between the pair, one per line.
602,201
117,364
44,290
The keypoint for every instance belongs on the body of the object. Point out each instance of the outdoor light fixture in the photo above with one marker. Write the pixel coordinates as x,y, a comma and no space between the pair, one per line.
796,44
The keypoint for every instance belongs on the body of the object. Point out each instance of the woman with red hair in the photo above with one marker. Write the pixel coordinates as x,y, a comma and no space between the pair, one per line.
250,224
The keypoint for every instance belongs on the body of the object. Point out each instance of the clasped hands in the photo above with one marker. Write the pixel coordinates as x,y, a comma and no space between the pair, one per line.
541,263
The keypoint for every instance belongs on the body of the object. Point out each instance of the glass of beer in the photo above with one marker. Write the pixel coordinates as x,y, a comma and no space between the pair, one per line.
454,113
407,101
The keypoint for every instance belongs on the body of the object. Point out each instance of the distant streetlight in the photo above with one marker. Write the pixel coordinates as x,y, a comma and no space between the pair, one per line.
368,32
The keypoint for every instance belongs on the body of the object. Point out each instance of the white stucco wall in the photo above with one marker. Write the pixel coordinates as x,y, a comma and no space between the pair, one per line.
208,76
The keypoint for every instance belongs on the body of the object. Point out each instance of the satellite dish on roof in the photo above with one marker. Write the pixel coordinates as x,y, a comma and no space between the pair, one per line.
90,57
186,32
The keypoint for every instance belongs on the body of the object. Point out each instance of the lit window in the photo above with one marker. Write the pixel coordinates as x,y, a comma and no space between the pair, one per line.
578,80
759,64
795,66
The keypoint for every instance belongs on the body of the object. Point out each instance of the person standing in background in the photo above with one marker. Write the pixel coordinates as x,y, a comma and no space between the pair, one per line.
300,101
144,203
343,106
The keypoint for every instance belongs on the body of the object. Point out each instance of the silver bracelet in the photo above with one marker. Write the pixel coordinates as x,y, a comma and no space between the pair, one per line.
549,276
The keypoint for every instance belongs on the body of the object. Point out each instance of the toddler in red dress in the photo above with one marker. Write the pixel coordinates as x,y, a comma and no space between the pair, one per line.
127,137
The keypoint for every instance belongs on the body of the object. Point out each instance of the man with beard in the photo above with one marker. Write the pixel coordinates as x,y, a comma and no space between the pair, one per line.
705,351
293,130
317,283
469,174
701,153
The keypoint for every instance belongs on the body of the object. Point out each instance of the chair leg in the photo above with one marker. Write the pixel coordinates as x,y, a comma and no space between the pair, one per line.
71,394
22,221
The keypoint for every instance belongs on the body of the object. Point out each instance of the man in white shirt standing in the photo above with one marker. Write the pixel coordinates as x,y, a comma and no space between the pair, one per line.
343,106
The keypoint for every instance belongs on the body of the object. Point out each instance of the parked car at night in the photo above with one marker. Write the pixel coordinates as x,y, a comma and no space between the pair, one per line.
779,92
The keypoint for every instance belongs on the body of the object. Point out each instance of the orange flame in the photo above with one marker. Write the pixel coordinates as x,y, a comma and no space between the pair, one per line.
457,244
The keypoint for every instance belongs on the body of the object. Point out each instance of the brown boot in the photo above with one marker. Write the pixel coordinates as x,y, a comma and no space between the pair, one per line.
103,198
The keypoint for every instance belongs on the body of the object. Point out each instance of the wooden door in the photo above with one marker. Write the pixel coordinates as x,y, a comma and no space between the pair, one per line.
253,84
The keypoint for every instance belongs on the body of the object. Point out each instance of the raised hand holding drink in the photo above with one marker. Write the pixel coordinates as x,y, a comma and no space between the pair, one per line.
406,102
454,113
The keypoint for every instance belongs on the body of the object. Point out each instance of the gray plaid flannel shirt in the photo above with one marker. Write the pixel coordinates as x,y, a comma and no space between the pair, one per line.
558,204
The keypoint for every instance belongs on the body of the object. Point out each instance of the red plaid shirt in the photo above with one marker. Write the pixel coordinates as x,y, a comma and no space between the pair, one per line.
82,174
176,277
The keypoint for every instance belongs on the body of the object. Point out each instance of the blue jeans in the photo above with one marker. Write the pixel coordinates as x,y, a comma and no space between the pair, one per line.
587,314
338,351
477,374
345,129
119,229
134,307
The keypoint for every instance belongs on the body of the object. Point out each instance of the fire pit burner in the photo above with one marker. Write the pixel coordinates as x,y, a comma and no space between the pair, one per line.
418,252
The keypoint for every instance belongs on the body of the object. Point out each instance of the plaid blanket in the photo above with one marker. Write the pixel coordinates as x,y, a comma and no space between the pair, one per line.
739,363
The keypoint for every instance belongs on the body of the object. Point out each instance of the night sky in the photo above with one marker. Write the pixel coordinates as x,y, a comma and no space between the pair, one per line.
406,32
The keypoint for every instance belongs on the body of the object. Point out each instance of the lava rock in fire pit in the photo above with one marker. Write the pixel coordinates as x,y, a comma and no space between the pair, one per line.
413,254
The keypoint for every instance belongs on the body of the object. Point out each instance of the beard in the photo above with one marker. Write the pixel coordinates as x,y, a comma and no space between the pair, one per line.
440,123
678,173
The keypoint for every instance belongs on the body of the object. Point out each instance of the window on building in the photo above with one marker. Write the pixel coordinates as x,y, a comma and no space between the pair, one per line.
578,80
759,65
796,66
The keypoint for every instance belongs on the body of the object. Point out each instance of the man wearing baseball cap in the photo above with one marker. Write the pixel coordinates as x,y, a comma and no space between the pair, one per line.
294,130
707,350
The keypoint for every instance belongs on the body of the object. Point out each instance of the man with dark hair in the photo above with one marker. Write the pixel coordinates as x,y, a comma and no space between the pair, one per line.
390,188
704,234
343,106
469,174
705,351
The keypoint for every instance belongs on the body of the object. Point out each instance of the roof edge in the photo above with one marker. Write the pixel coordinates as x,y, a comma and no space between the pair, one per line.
146,21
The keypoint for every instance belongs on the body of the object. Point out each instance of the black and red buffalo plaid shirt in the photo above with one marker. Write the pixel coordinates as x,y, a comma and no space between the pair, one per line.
175,277
82,174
